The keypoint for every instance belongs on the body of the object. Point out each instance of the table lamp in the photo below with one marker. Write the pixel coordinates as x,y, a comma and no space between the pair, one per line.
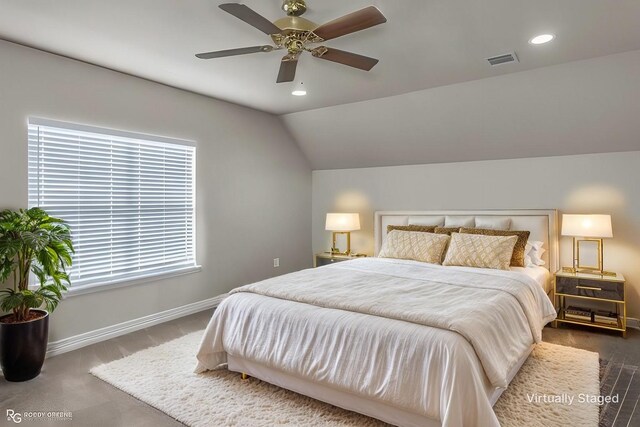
342,223
587,232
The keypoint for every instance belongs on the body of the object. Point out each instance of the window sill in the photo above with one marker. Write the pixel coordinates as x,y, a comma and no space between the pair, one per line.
108,285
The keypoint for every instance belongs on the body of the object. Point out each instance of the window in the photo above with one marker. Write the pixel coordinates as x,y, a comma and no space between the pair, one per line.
129,199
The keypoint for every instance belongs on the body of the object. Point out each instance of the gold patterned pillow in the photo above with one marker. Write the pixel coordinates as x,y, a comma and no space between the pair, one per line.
476,250
416,245
446,230
519,250
412,227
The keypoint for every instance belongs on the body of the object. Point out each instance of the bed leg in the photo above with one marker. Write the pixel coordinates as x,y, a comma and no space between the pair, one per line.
244,376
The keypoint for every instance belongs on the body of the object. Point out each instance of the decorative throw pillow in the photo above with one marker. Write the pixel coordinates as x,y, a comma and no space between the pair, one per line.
416,245
469,250
412,227
517,258
447,230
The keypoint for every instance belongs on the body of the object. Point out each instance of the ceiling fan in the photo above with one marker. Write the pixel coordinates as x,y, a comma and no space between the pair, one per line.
296,34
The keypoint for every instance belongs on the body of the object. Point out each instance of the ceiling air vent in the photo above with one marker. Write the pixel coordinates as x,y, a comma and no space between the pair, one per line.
503,59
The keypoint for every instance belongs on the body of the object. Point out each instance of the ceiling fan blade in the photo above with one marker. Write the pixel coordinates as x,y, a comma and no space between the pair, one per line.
347,58
233,52
356,21
288,67
251,17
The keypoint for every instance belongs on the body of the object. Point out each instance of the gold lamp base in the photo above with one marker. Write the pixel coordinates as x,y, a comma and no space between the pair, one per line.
578,268
334,246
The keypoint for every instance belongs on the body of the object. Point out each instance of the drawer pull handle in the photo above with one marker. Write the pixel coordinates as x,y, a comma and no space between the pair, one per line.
589,288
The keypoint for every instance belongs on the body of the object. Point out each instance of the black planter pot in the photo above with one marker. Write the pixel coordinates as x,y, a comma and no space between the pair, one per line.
23,347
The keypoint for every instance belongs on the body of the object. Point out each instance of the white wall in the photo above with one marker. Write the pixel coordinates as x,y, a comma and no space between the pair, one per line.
596,183
253,182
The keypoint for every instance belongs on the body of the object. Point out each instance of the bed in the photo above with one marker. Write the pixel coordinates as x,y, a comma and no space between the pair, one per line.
409,343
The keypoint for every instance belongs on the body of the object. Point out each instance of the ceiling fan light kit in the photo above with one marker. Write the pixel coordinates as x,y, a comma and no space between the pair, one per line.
297,35
299,90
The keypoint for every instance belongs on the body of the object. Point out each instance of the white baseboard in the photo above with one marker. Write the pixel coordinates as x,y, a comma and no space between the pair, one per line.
633,323
82,340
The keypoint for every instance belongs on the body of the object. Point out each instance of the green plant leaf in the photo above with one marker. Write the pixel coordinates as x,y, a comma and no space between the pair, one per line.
33,240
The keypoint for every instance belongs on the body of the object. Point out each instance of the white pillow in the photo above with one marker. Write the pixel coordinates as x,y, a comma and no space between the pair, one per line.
493,223
459,221
534,245
533,253
415,245
477,250
430,221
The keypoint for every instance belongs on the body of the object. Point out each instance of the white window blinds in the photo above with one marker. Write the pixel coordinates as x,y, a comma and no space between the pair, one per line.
129,199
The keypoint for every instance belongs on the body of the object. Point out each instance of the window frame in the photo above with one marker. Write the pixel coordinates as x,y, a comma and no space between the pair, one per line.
107,283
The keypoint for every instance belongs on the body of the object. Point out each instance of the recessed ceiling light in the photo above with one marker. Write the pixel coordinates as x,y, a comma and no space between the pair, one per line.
542,39
299,90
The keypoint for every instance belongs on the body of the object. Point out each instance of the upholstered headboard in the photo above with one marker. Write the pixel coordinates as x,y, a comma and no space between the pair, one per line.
543,225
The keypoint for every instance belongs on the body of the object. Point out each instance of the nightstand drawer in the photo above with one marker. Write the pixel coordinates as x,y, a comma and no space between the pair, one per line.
590,288
325,258
320,261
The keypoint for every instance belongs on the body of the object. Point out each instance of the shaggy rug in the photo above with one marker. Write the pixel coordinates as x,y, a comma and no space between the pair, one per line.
163,377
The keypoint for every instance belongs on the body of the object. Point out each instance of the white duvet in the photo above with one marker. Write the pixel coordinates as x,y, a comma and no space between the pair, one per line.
428,339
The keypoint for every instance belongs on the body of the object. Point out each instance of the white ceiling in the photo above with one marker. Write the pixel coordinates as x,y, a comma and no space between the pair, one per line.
424,44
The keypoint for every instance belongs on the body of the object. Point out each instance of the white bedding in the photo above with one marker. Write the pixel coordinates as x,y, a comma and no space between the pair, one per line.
538,273
428,339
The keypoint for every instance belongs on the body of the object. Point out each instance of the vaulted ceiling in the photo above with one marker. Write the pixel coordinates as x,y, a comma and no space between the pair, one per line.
432,98
424,44
581,107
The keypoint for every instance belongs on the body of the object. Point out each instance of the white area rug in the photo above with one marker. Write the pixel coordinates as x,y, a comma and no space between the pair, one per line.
163,377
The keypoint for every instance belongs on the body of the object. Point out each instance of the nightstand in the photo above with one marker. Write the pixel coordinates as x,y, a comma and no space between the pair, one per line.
571,289
326,258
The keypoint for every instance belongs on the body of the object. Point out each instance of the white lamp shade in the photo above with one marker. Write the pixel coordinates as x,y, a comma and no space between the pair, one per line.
598,226
342,222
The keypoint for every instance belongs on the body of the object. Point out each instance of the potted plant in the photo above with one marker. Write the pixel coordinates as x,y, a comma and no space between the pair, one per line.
31,242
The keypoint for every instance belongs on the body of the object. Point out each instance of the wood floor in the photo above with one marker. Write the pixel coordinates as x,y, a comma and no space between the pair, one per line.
65,383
